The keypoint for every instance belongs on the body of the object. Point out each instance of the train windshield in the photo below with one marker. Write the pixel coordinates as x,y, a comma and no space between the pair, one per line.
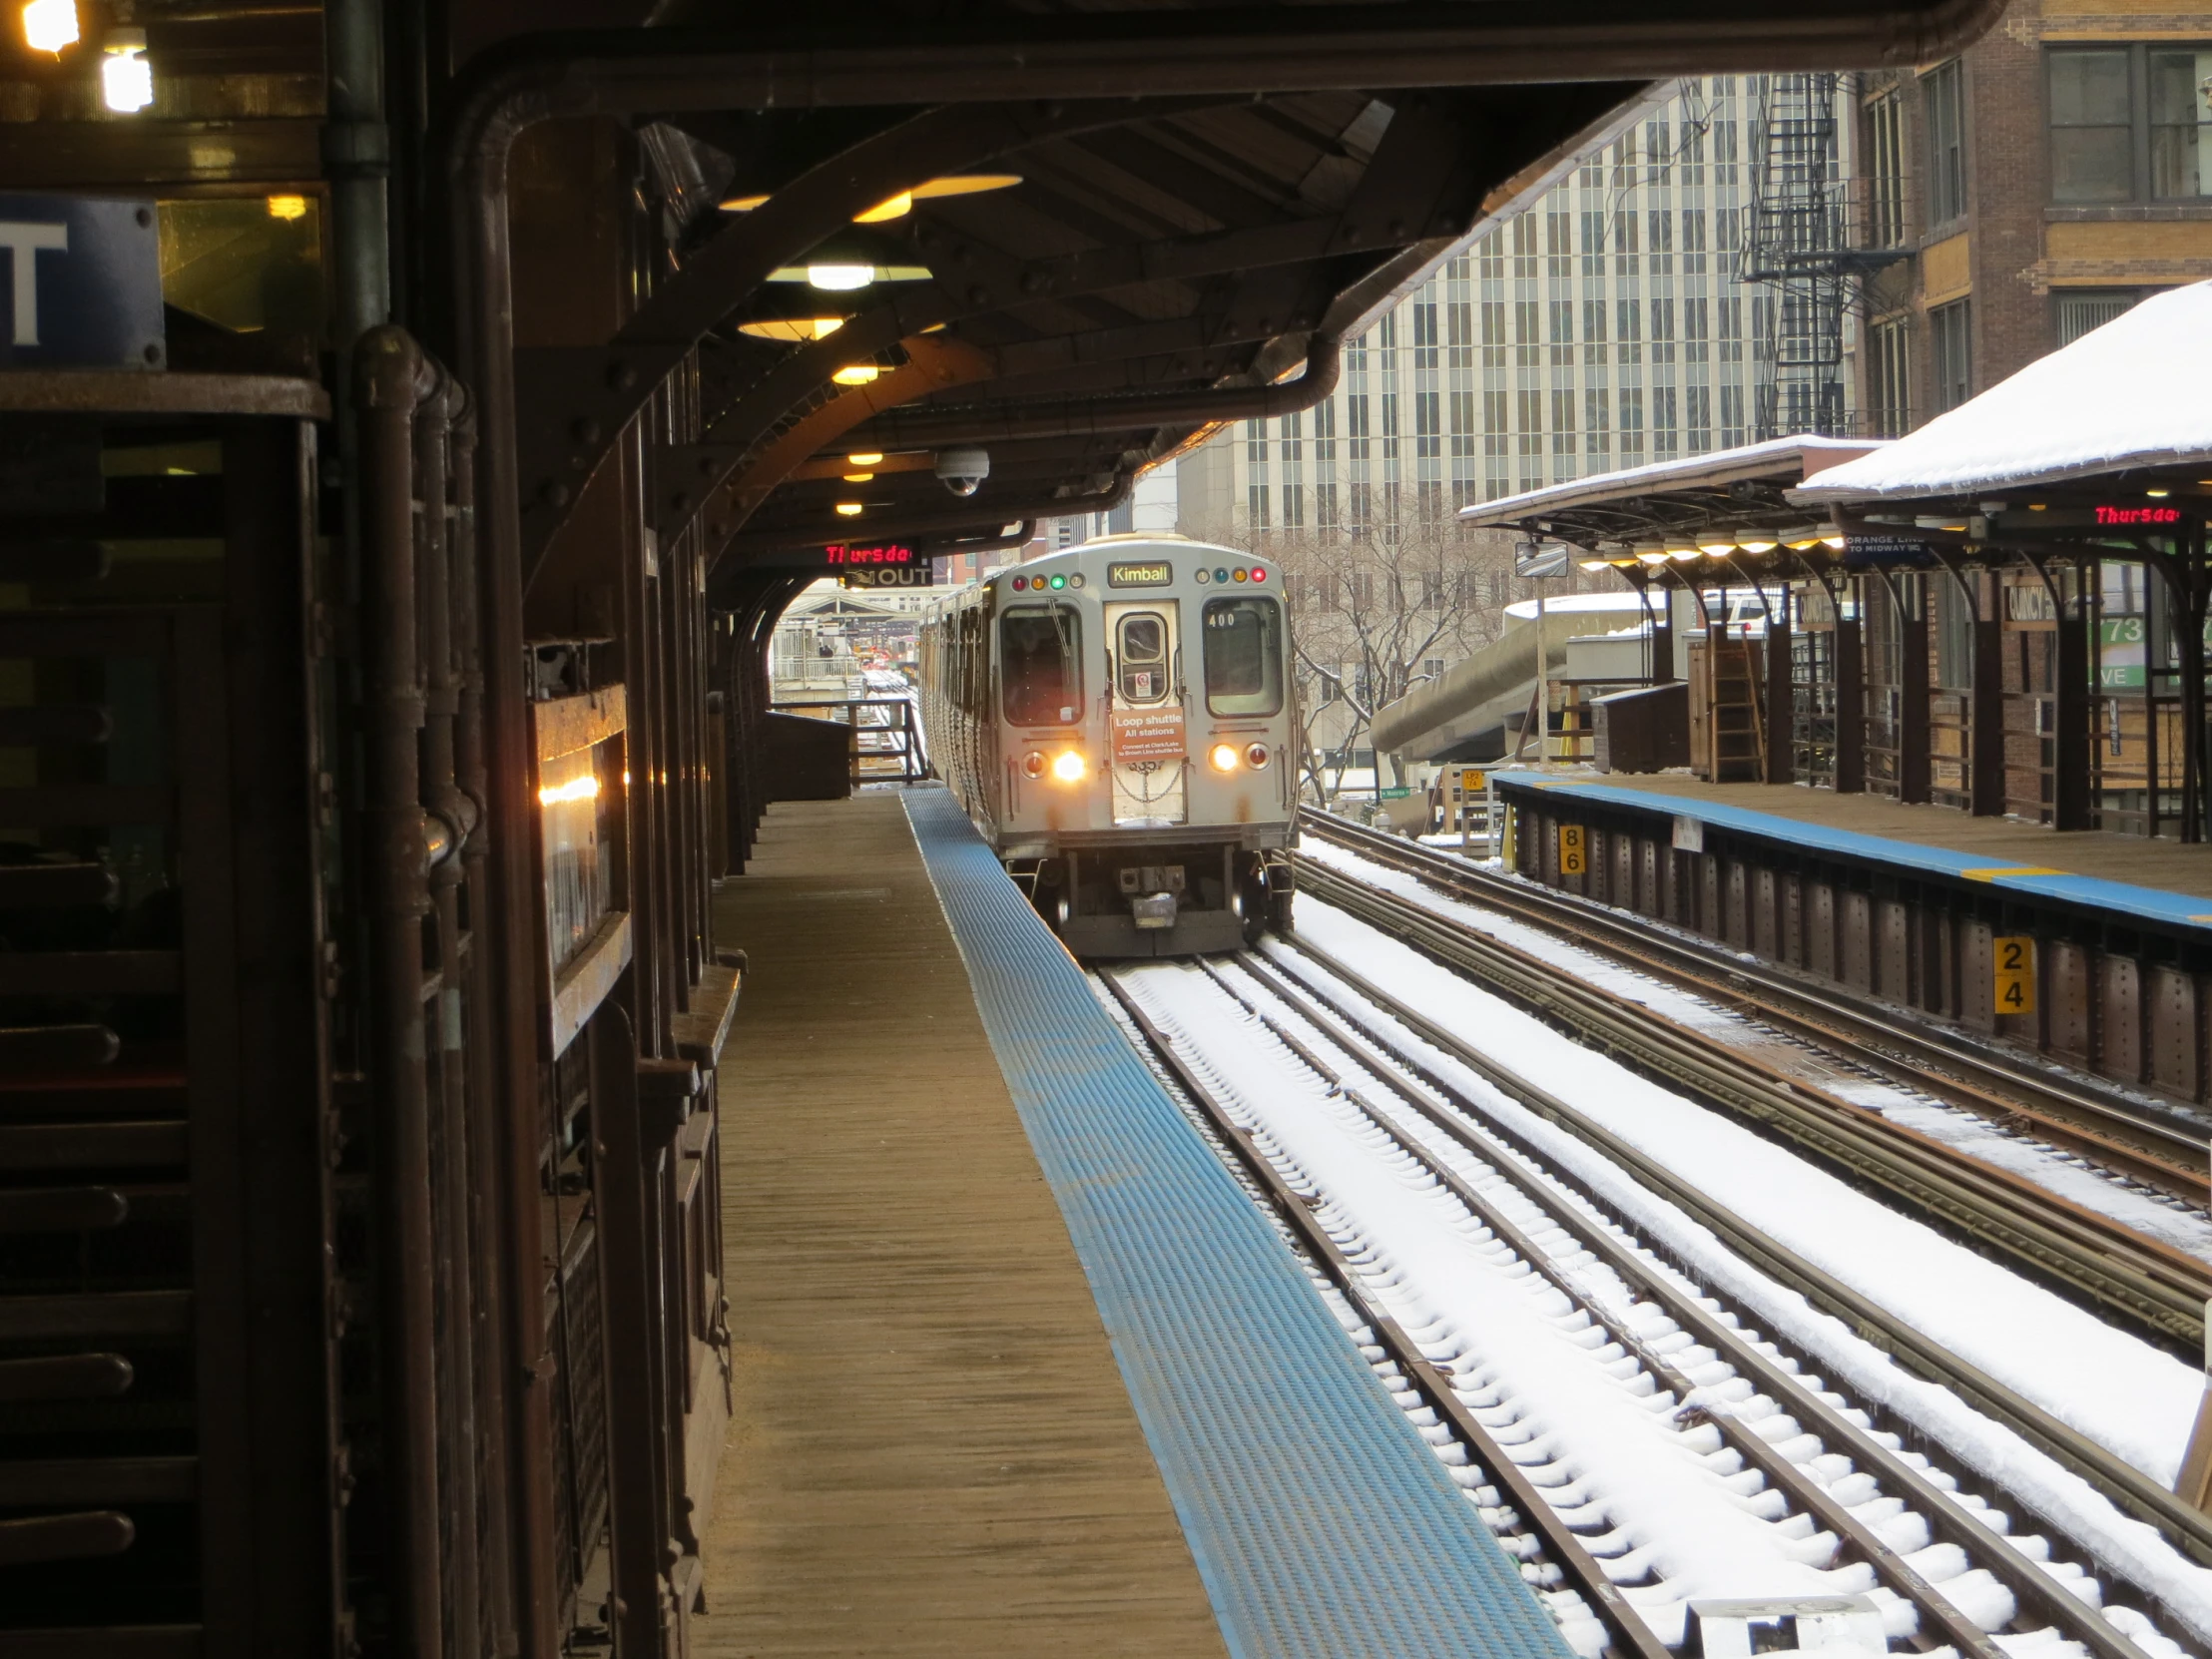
1244,657
1041,665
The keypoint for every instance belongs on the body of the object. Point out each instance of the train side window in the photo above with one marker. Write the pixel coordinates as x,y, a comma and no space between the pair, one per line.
1143,658
1244,656
1041,666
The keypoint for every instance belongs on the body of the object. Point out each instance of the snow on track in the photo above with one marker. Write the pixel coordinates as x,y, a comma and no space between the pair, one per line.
2153,1214
1542,1378
2130,1396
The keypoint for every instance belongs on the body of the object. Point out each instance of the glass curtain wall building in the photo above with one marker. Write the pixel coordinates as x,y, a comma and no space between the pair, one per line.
1605,328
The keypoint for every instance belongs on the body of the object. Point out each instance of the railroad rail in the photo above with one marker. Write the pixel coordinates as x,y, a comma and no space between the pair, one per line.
2129,1137
2188,1529
2155,1285
1554,1240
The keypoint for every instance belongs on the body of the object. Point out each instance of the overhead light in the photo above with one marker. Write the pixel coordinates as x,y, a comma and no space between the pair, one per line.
849,509
895,206
966,183
287,208
2158,495
50,25
125,78
859,477
902,204
796,329
842,276
1651,555
1832,535
1757,542
1683,553
1596,563
864,457
840,279
1716,544
857,374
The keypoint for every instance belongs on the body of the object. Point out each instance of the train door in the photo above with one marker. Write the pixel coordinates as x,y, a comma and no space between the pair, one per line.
1145,713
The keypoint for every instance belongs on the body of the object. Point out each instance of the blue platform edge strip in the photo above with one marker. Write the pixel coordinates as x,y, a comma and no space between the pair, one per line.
2150,903
1321,1525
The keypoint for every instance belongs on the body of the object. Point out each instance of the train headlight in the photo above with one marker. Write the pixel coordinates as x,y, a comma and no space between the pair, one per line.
1069,766
1224,757
1256,756
1032,764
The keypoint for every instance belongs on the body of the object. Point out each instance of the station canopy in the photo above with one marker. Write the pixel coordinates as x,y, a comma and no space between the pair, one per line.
1733,504
2124,405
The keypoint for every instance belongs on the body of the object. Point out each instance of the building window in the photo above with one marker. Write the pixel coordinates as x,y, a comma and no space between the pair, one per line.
2088,308
1889,399
2129,123
1886,157
1256,501
2180,123
1946,90
1952,329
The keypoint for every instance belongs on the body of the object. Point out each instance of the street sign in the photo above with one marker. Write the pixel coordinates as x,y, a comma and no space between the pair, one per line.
2015,975
1534,560
83,279
919,575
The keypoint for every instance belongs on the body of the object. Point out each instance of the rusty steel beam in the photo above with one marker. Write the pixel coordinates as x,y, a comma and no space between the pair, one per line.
390,377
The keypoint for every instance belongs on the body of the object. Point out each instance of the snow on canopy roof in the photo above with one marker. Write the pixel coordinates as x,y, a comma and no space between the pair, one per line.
1802,452
2129,394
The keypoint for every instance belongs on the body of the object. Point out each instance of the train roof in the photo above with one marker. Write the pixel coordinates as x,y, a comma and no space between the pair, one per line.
1128,541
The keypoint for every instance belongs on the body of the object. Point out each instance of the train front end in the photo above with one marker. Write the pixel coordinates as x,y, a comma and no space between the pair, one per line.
1148,749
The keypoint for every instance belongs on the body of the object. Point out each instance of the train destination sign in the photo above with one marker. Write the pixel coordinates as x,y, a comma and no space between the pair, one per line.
1148,735
1143,573
840,554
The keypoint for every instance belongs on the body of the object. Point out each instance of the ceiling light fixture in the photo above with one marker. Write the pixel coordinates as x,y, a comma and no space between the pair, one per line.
287,208
859,477
863,457
849,509
125,78
896,207
902,204
2158,495
839,278
50,25
1717,543
857,374
794,329
1757,542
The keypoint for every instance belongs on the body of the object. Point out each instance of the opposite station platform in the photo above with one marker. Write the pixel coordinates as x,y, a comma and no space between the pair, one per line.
2091,947
1018,1367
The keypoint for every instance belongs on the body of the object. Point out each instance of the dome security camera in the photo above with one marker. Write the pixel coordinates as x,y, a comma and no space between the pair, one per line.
962,471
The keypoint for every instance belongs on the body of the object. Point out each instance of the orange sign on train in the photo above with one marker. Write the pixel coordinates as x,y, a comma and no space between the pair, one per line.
1148,735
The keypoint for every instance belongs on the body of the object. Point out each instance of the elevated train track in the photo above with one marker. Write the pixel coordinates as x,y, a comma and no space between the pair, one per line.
2143,1280
1331,1022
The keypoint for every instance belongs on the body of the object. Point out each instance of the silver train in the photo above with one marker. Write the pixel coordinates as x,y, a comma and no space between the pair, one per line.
1118,720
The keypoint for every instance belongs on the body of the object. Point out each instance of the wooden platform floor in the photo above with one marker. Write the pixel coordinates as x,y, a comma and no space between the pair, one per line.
2165,865
931,1452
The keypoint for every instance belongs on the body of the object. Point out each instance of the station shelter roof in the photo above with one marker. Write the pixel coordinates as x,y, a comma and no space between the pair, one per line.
2125,399
1736,501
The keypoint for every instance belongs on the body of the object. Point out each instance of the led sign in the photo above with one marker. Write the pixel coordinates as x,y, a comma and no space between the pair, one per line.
882,553
1152,573
2138,515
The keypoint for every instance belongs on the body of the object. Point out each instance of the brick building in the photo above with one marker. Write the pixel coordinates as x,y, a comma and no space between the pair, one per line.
2032,189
